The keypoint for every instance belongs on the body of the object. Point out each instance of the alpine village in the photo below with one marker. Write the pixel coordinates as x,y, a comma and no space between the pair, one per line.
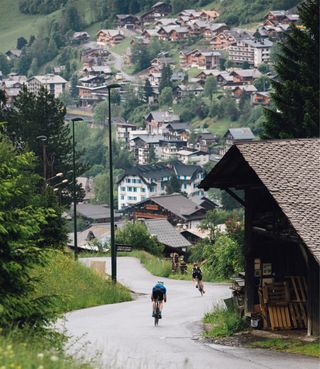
159,184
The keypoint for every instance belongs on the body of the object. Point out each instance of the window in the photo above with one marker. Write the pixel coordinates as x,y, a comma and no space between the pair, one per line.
130,189
142,189
122,197
185,186
151,189
128,180
123,188
133,181
135,189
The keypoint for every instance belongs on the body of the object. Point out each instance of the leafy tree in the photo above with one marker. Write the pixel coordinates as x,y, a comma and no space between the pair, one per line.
210,87
262,83
166,98
165,79
137,235
148,91
296,90
245,65
140,57
210,223
100,113
21,43
102,188
21,222
24,62
4,64
32,116
230,107
263,68
173,185
152,155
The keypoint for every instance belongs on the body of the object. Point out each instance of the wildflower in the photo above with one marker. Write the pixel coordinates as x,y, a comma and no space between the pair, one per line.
40,355
40,367
54,358
9,347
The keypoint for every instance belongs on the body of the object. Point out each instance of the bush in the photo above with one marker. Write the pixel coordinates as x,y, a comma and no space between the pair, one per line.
137,235
223,322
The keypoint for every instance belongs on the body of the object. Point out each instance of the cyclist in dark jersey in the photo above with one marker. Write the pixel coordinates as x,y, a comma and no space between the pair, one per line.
197,276
159,292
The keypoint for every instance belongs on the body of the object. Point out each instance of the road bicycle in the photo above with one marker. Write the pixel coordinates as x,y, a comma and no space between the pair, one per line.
157,313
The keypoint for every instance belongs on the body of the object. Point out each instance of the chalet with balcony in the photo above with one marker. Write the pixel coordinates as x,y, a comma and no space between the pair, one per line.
157,120
53,83
209,15
80,37
236,135
123,130
109,37
245,76
213,29
158,10
127,21
260,98
280,180
92,89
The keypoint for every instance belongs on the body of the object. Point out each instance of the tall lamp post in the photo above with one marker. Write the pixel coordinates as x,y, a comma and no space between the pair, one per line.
75,234
44,139
113,245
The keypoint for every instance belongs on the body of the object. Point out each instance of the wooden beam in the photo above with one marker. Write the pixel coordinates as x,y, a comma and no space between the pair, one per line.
236,197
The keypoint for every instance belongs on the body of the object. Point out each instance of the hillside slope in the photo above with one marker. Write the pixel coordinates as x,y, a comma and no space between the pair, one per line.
14,24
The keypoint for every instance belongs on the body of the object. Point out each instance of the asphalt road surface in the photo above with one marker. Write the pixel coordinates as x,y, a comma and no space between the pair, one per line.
126,338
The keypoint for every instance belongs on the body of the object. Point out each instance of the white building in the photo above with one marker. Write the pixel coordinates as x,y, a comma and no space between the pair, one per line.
253,51
143,181
53,83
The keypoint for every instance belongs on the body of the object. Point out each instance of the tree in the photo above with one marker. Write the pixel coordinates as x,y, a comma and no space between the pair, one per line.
137,235
74,90
100,113
262,83
4,65
263,68
148,91
102,189
21,222
34,115
210,87
152,155
296,90
245,65
173,185
210,223
21,43
166,98
165,79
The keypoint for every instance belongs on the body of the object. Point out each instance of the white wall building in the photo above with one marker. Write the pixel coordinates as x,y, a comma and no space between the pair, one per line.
53,83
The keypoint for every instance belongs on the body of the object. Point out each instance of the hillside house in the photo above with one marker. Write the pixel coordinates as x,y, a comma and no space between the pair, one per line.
92,89
213,29
176,208
245,76
237,91
177,130
158,10
80,38
205,141
209,15
192,156
157,120
205,59
127,21
123,130
280,181
53,83
234,136
260,98
109,37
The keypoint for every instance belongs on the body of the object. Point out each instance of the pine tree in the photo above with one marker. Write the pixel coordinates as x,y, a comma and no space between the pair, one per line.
296,90
165,80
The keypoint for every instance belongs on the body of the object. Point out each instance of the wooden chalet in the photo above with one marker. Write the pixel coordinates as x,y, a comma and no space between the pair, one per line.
127,20
160,9
109,37
280,180
176,208
260,98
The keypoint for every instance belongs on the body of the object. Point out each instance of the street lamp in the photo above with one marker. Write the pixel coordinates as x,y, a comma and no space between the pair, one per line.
112,240
44,139
74,189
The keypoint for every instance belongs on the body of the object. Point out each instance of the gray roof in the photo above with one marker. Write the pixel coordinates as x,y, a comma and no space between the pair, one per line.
243,133
258,44
94,212
177,126
177,204
290,170
166,233
164,116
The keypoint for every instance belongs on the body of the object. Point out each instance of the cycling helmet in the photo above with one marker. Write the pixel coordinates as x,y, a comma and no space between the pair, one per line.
160,282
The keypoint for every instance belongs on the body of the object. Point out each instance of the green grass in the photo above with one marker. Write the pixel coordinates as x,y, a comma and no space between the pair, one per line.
223,322
23,349
290,345
216,126
78,286
14,24
122,47
192,72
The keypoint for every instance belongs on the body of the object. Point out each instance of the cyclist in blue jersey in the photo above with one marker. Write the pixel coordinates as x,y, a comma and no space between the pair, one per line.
159,292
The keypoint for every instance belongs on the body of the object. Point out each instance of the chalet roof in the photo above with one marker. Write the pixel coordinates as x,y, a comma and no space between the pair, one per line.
177,204
159,3
243,133
290,170
216,26
111,32
150,139
163,116
258,44
185,170
245,73
167,21
125,16
179,126
166,233
94,212
49,78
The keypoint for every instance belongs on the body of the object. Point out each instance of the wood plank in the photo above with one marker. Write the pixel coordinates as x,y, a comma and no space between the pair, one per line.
270,309
293,316
295,288
304,315
305,286
303,296
288,317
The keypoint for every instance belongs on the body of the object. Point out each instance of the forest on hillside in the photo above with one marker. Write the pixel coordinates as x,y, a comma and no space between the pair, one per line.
234,11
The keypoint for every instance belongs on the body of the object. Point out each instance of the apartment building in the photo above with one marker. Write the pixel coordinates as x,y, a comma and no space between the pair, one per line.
53,83
253,51
143,181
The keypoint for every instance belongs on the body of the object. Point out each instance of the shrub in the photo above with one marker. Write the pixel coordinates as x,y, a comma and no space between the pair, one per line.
223,322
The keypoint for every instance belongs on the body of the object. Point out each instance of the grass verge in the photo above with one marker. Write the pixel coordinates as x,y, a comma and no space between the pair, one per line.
290,345
221,322
78,286
26,349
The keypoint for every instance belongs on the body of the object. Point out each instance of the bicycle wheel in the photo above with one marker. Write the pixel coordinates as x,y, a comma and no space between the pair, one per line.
156,317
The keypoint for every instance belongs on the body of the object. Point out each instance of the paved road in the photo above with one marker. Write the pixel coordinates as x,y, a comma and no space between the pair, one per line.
125,335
